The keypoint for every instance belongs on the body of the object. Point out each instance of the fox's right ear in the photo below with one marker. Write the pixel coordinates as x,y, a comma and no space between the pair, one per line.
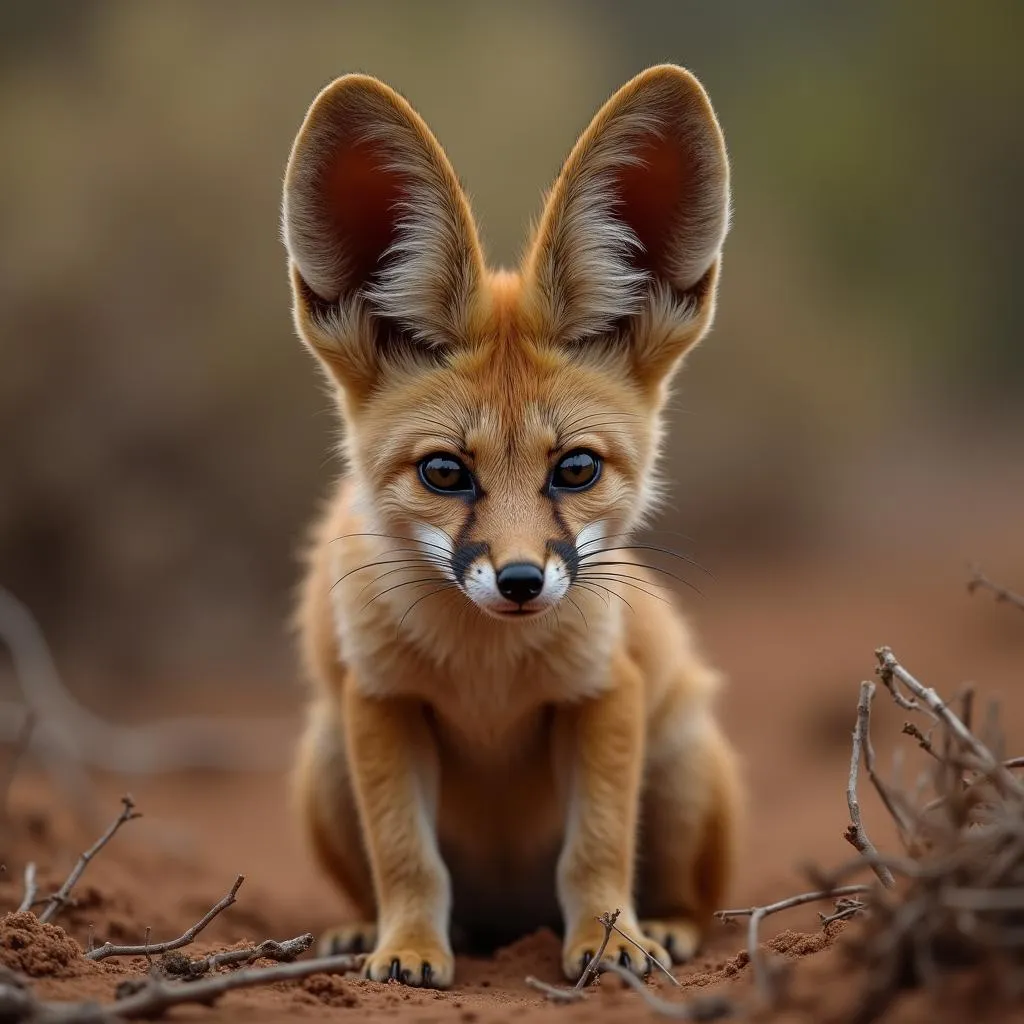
628,247
381,242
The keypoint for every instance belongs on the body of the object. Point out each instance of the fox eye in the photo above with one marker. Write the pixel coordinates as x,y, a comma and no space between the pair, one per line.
576,471
446,474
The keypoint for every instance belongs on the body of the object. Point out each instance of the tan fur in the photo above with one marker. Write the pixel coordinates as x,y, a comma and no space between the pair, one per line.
460,771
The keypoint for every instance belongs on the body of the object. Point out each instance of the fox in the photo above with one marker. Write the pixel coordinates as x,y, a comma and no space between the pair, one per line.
509,726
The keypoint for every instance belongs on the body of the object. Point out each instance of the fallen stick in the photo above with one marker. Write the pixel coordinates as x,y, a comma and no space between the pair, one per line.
556,993
60,898
758,914
109,949
31,889
607,921
283,952
980,581
153,996
704,1008
890,671
855,834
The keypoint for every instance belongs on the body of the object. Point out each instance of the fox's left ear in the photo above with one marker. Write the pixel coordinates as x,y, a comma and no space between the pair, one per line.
382,246
628,246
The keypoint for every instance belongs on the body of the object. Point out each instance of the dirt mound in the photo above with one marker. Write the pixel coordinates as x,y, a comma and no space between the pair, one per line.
41,950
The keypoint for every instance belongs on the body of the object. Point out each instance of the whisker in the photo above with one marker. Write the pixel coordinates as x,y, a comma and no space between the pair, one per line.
394,536
647,547
406,583
649,568
390,561
635,586
406,568
433,593
598,587
586,625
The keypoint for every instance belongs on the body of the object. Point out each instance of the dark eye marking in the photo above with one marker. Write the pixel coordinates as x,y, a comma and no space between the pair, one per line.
444,473
576,471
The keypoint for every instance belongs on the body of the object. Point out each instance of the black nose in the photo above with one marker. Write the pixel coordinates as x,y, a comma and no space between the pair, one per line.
521,581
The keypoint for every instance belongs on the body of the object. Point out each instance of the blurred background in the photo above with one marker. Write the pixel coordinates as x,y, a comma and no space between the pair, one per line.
855,418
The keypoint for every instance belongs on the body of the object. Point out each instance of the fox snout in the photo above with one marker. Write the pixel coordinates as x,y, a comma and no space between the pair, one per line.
517,585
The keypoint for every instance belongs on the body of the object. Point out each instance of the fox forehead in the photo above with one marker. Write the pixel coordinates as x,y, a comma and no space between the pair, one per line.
505,397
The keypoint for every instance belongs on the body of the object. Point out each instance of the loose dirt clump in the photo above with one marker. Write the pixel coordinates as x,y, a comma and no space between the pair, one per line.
40,950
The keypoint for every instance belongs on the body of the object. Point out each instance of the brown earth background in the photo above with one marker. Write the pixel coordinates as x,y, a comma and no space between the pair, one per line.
846,442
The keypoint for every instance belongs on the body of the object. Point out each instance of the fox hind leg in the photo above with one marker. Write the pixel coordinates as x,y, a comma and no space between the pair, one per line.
691,808
326,803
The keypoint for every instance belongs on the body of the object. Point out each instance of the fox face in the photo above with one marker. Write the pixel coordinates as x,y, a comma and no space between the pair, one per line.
506,423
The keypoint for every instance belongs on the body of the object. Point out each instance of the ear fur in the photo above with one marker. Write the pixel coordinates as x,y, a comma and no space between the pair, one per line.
381,241
628,245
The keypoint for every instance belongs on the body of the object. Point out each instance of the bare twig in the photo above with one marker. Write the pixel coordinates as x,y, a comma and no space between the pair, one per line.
31,889
845,908
152,996
661,967
556,993
21,744
180,966
758,914
890,670
980,581
59,898
69,735
705,1008
607,921
924,742
855,833
109,949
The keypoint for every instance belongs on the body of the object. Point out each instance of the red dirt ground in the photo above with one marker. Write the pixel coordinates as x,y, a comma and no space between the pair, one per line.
795,641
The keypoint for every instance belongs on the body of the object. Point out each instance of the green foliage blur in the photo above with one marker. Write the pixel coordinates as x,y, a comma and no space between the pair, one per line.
164,437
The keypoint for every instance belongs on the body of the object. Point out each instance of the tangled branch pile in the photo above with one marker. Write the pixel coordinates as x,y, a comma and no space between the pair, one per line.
958,897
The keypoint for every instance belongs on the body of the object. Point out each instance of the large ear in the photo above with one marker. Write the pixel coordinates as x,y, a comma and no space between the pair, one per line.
380,238
627,249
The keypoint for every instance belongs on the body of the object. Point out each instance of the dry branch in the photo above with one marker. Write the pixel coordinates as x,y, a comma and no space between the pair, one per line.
607,921
703,1008
661,967
108,949
151,997
762,975
31,889
979,581
556,993
893,673
178,965
69,736
21,744
855,833
60,898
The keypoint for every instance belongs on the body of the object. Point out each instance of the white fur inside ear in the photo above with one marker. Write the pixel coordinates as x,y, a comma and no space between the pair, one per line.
590,275
429,270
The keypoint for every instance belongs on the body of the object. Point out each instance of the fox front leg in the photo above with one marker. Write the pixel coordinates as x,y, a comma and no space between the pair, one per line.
394,768
601,750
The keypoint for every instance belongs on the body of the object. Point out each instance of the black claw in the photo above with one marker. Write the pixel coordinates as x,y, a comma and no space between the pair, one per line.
406,976
396,967
428,976
670,948
587,957
358,944
624,960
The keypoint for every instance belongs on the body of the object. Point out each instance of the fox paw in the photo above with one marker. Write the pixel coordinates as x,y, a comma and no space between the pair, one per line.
425,965
680,937
582,946
348,938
